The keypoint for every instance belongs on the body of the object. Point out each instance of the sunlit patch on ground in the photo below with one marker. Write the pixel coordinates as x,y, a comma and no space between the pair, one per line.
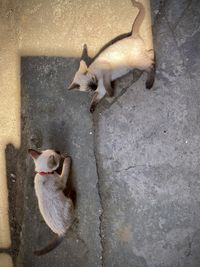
5,260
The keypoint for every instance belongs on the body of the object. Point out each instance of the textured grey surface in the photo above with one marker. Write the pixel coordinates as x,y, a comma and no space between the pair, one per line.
52,119
148,152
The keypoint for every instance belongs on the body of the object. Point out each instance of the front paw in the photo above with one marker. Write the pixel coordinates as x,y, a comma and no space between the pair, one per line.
67,161
64,155
92,108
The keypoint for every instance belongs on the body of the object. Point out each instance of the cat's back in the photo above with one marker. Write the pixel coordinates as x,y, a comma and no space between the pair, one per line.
55,208
122,50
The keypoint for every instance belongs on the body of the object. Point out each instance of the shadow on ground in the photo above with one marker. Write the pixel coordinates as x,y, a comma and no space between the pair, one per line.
53,118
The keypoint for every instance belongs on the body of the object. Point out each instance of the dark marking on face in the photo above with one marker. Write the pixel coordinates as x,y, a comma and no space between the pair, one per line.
52,161
92,85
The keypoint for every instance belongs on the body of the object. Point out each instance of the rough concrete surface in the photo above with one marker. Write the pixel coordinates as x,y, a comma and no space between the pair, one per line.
145,145
147,149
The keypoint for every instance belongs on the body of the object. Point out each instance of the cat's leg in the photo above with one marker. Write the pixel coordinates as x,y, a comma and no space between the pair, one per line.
108,83
65,171
98,95
150,76
151,70
94,102
113,85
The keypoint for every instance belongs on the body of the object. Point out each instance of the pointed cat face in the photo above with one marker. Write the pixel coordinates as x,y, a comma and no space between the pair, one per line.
45,161
83,80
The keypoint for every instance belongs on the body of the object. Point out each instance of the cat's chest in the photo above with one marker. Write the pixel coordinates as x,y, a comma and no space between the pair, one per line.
45,185
119,72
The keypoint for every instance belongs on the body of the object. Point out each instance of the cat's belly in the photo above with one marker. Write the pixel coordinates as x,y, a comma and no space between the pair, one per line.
119,72
123,56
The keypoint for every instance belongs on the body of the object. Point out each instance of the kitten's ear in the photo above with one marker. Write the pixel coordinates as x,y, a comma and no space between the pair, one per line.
52,162
34,153
83,67
85,55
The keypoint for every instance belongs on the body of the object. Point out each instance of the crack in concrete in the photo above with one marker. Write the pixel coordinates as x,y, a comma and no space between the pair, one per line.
95,142
131,167
99,191
177,46
123,91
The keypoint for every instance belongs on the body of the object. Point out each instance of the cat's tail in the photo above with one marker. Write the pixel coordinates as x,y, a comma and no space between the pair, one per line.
139,18
50,246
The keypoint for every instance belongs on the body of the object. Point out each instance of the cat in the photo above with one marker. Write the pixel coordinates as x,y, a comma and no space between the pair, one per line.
115,61
56,209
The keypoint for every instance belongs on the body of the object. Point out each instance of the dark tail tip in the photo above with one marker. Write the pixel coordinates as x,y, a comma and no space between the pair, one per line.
49,247
37,253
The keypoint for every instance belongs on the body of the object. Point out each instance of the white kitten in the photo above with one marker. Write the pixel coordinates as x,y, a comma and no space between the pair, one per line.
56,209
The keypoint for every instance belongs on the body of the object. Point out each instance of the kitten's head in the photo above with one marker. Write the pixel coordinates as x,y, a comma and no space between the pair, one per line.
46,160
83,79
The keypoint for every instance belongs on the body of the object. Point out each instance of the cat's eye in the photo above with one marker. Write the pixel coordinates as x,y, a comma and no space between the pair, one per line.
58,152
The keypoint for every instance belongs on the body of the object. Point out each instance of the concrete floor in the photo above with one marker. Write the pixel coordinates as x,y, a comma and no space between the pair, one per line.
51,118
46,28
135,162
148,153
